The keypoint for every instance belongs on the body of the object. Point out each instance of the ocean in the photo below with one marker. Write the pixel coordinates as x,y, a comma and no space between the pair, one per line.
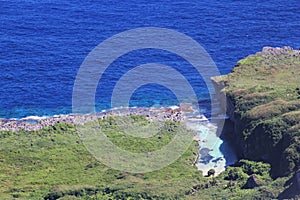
43,44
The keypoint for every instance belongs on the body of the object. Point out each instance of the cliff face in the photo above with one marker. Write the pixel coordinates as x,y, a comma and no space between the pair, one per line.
263,102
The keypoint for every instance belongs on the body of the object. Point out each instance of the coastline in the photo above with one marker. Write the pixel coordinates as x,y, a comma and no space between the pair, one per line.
209,155
33,123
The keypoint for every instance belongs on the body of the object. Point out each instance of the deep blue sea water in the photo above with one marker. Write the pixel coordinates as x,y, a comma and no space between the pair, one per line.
43,44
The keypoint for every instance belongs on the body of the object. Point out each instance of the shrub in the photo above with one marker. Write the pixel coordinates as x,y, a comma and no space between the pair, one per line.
252,167
235,173
211,172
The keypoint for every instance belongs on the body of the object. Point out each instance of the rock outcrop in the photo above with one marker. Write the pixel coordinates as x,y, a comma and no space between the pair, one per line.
252,182
292,190
263,105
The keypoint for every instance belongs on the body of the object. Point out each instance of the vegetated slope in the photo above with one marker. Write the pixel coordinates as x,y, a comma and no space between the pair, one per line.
263,102
52,163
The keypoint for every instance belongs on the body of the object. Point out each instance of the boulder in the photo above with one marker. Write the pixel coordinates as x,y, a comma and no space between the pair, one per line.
252,182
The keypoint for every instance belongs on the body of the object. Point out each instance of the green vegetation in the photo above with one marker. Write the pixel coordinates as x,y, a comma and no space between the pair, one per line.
52,163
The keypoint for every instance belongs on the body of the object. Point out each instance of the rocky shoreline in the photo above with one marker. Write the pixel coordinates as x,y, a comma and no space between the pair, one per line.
175,113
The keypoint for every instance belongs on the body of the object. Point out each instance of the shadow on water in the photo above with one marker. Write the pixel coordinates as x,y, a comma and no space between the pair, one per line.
228,153
227,147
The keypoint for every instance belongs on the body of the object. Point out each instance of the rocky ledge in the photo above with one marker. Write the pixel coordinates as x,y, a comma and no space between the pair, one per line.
175,113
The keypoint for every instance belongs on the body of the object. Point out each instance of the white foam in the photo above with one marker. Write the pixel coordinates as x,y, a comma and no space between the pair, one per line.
207,138
173,107
33,118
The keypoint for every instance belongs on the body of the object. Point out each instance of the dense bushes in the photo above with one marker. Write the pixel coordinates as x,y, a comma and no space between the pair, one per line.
235,173
251,167
244,168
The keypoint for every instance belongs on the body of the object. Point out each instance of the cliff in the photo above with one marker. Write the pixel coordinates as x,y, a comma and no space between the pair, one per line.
263,103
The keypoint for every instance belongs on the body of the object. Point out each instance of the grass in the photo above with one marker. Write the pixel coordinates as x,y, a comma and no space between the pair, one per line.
33,163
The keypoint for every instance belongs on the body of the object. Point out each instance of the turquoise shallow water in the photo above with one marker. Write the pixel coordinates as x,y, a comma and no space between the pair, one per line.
214,153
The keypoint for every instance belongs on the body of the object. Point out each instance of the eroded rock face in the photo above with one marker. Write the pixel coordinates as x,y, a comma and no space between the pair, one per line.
298,179
252,182
263,106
